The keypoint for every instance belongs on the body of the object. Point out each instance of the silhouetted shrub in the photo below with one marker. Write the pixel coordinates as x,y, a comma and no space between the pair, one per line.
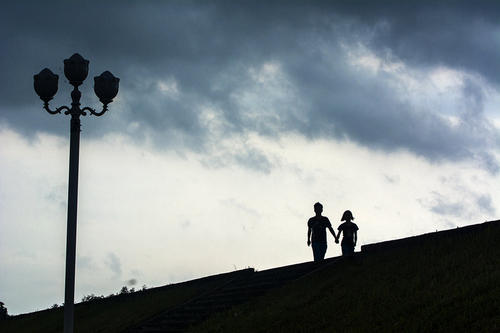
91,297
3,312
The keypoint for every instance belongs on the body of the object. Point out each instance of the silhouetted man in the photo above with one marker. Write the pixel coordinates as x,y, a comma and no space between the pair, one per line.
350,230
317,227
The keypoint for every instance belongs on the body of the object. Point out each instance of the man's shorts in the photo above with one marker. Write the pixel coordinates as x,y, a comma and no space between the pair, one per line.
319,250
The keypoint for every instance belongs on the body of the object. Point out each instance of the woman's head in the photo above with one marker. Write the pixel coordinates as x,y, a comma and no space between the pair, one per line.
347,216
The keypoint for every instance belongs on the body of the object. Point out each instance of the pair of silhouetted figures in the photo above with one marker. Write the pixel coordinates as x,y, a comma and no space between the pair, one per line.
317,225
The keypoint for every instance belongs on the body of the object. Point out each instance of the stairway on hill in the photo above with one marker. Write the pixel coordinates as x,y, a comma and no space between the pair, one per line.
433,236
246,285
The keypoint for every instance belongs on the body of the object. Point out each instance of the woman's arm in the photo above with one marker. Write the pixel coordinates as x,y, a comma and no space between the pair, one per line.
333,233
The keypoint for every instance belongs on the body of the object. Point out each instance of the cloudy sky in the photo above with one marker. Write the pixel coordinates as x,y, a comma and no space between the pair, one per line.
232,120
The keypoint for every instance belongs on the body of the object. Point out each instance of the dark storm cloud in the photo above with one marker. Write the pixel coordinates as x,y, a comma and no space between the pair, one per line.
460,34
114,264
470,204
252,158
485,204
454,209
131,282
207,50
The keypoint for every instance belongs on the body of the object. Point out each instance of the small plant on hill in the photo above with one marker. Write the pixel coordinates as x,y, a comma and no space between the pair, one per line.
4,314
91,297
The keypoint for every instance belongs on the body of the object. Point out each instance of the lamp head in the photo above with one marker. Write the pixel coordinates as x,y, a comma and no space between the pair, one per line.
76,69
106,87
45,84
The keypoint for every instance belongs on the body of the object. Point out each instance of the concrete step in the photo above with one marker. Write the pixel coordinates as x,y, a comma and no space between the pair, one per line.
242,288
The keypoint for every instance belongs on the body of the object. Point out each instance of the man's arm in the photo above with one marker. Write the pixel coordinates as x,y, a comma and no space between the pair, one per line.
338,235
309,236
333,233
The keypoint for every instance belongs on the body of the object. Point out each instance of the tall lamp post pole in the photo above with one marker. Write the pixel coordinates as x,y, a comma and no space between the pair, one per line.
106,88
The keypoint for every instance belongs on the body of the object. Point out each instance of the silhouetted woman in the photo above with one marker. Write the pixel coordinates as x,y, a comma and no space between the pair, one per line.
350,230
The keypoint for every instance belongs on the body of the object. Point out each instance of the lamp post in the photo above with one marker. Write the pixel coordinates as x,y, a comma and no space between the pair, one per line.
105,87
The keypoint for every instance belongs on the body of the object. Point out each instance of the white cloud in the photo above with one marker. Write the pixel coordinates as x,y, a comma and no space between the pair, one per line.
169,87
202,163
445,78
169,218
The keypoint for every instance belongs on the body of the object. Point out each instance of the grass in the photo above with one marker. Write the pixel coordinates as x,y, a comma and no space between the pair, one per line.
450,285
446,284
113,314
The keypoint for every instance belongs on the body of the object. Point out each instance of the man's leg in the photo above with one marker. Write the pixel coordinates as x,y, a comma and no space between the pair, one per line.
315,251
319,250
322,251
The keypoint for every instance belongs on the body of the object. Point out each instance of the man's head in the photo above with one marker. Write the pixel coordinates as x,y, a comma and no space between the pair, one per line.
318,208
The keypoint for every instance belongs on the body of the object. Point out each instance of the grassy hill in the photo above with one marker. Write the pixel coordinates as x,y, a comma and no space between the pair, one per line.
447,281
437,282
116,313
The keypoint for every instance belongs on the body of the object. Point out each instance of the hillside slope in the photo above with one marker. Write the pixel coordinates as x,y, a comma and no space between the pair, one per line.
444,281
117,313
447,281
